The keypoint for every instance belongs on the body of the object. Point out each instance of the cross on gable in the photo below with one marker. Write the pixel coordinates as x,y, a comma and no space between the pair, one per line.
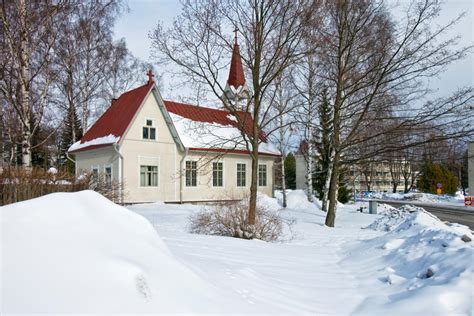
150,76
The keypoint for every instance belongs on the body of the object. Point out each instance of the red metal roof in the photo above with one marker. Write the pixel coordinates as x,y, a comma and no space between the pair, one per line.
236,73
209,115
119,115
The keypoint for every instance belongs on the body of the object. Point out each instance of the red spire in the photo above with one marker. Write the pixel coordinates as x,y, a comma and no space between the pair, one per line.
236,73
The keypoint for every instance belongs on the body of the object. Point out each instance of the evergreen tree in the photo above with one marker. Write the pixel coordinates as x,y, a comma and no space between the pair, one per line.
432,174
70,133
290,171
323,147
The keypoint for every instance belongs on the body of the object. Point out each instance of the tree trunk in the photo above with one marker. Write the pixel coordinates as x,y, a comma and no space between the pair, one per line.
327,183
309,178
283,180
333,189
24,87
253,186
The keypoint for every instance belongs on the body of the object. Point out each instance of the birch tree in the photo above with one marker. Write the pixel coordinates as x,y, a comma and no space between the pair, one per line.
28,34
270,34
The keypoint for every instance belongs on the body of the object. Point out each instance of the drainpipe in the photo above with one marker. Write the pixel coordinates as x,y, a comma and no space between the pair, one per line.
120,170
181,175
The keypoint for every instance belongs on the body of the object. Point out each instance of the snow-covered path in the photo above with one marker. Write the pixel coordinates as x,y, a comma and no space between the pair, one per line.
300,276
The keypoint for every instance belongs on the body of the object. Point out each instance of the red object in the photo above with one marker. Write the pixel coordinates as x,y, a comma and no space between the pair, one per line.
118,116
121,112
469,201
236,73
208,115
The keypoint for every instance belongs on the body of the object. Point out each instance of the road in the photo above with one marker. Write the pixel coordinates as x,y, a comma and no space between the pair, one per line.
455,214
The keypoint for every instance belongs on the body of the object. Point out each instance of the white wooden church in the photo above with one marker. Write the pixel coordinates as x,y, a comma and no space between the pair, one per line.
168,151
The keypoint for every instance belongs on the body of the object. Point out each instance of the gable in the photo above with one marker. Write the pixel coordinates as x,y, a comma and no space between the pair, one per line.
150,110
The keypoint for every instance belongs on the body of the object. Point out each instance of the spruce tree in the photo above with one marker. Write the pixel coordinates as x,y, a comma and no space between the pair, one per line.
70,133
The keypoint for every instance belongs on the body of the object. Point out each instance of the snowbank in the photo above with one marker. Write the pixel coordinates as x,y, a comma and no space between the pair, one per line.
419,197
79,252
423,266
297,199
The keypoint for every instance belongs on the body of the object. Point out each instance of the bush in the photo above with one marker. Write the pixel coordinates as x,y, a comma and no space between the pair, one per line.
231,219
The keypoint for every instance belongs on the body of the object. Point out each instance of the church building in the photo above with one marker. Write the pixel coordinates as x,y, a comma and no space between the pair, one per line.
168,151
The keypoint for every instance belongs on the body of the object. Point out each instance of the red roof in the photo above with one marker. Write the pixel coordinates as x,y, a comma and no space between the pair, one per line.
236,73
209,115
119,115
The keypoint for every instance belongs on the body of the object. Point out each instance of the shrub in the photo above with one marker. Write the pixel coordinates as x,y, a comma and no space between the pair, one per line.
231,219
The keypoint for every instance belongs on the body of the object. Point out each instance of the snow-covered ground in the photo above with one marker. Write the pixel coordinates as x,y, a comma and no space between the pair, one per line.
79,252
457,199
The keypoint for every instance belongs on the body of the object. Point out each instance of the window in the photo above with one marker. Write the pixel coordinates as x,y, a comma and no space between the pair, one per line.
108,175
241,174
149,176
262,175
217,174
149,132
95,173
191,173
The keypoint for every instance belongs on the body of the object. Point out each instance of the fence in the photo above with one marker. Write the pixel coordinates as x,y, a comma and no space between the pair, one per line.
19,184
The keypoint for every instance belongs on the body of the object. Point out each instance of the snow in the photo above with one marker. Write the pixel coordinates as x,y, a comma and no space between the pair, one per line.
109,139
79,252
53,170
458,198
94,256
213,135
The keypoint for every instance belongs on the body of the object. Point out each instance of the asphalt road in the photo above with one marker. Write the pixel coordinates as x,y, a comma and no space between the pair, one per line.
454,214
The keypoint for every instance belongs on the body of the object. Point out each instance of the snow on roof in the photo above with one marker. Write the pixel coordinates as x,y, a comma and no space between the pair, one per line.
211,129
95,143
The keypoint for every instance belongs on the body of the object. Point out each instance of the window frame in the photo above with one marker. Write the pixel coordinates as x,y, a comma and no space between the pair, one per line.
108,181
147,174
240,185
150,129
192,172
221,171
265,178
95,169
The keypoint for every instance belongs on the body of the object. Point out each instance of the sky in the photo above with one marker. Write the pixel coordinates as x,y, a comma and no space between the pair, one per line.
144,15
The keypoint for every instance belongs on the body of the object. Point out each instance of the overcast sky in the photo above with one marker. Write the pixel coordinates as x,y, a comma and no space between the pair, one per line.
143,16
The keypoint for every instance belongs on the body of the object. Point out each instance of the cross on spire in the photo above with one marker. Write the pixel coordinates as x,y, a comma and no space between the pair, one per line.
235,37
150,76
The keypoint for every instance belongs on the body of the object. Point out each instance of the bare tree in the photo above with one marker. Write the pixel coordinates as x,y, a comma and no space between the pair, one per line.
367,55
270,34
28,34
285,106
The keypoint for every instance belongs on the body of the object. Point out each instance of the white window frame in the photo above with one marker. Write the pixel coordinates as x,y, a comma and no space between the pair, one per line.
140,176
237,175
111,173
185,173
266,175
95,168
223,168
153,125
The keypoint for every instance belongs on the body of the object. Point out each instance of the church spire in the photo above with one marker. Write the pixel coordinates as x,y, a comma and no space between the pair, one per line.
236,89
236,73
